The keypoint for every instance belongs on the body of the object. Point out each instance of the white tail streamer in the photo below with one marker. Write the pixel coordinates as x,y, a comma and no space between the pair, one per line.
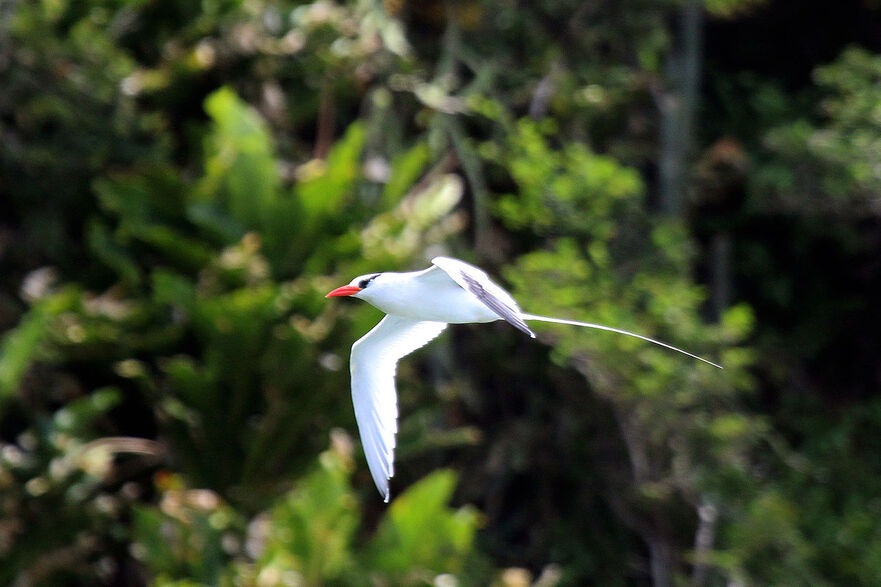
619,331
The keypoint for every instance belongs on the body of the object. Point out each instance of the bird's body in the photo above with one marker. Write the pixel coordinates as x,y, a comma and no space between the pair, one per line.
426,295
418,307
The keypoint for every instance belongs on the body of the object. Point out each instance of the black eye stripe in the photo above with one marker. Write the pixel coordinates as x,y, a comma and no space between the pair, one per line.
363,283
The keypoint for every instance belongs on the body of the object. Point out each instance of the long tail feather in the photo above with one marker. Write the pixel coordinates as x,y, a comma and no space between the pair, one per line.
619,331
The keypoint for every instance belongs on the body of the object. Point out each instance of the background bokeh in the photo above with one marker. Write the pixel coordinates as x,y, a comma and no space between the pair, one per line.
181,183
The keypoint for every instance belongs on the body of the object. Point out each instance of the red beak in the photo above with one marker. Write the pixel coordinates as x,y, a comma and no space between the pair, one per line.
345,290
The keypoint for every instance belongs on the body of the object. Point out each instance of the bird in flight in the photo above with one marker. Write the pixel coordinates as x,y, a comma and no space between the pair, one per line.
418,306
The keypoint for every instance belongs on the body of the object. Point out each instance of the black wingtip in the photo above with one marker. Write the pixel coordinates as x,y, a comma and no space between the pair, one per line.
522,327
526,329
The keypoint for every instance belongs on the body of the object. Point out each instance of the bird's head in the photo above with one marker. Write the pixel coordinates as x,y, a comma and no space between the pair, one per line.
357,288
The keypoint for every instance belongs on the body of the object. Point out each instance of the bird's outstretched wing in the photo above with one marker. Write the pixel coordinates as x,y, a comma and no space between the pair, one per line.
476,281
374,360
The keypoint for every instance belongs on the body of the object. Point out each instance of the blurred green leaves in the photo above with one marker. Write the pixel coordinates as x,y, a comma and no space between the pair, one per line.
312,529
309,536
569,190
183,181
59,500
605,260
22,345
238,366
831,164
240,174
420,534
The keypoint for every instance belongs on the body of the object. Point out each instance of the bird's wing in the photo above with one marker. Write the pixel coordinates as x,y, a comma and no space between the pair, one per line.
478,283
374,360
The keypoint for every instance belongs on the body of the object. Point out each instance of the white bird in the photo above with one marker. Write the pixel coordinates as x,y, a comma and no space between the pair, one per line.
418,306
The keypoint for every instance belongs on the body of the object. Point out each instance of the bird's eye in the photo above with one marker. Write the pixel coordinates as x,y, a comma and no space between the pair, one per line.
366,281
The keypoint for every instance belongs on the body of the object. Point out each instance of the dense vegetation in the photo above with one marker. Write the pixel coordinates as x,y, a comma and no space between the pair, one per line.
182,182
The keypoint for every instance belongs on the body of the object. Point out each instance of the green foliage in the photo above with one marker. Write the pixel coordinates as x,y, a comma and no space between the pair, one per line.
247,374
731,8
240,176
588,206
236,404
22,345
405,170
606,261
832,165
308,535
570,191
184,538
311,530
420,535
183,181
58,502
